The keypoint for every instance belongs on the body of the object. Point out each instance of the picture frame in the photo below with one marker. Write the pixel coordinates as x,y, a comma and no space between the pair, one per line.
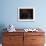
26,14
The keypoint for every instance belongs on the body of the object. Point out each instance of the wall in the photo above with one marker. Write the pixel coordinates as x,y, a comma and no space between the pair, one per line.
9,13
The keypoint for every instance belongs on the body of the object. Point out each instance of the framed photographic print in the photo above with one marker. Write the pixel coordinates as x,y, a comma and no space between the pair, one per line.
26,14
